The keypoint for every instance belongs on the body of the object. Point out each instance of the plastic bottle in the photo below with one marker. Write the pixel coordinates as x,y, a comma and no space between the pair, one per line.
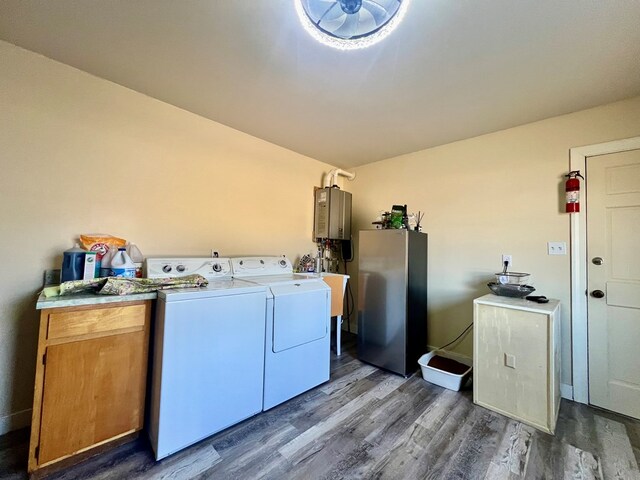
105,265
122,265
72,264
136,256
318,262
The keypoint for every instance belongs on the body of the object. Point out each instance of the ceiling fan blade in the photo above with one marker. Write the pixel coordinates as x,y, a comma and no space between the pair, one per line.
349,27
366,22
333,24
318,8
382,11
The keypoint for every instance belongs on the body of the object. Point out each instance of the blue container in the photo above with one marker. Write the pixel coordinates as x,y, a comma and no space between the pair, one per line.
72,264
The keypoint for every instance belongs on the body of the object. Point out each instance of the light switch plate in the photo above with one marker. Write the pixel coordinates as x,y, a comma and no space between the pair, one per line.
557,248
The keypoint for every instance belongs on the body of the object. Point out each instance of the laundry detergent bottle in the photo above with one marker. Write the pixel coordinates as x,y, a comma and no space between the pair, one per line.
72,264
122,265
105,265
136,257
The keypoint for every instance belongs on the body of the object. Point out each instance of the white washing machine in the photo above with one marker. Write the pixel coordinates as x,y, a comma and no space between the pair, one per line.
298,326
208,357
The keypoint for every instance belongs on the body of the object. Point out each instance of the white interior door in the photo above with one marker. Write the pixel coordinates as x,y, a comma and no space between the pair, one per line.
613,235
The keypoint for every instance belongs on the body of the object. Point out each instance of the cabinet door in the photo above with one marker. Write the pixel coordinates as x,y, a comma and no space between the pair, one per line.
512,362
93,392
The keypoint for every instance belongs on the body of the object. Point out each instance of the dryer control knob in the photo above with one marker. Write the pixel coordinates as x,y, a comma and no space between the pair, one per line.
166,268
283,263
181,268
217,267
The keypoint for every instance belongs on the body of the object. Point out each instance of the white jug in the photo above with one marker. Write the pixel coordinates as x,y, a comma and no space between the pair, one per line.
122,265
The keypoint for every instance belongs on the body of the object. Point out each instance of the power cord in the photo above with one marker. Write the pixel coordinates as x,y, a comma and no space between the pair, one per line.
457,338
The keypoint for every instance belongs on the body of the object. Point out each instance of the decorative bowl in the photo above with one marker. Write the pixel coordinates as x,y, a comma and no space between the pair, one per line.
511,290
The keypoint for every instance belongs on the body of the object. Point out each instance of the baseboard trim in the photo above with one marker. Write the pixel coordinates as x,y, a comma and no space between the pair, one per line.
566,391
15,421
453,355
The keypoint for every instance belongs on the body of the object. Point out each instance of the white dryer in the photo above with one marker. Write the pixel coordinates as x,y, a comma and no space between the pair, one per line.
298,326
208,353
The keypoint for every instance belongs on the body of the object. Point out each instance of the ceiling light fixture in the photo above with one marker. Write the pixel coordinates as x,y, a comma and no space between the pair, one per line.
350,24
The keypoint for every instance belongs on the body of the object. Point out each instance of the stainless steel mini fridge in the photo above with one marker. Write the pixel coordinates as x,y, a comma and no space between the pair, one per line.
392,299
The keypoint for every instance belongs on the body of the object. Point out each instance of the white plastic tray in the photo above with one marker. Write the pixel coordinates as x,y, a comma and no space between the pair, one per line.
440,377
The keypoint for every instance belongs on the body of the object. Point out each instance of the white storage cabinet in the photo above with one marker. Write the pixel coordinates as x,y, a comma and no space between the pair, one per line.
516,359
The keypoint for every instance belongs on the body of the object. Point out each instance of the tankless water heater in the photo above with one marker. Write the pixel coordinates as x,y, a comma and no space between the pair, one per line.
332,214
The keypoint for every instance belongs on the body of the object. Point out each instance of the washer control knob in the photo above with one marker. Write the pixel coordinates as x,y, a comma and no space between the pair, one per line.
166,268
217,267
181,268
283,263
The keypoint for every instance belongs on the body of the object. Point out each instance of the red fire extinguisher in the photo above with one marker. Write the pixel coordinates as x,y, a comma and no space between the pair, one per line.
572,191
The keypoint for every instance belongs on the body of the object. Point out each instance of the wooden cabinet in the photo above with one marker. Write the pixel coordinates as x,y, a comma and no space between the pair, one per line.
90,379
516,359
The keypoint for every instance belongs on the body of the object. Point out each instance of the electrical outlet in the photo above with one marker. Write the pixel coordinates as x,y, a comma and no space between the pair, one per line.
51,277
507,258
557,248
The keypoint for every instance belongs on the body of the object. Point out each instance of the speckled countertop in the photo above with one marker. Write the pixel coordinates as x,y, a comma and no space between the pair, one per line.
89,299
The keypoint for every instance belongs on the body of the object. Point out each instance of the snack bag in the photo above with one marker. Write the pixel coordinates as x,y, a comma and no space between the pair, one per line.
100,243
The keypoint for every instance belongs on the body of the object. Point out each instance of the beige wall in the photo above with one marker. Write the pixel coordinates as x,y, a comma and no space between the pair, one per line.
79,154
485,196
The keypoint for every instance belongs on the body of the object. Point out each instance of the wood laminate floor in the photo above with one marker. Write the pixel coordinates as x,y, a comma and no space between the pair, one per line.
366,423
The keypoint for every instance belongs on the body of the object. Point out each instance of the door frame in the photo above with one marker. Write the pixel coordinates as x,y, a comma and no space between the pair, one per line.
578,242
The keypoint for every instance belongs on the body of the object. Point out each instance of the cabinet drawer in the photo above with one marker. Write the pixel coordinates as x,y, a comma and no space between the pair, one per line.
83,322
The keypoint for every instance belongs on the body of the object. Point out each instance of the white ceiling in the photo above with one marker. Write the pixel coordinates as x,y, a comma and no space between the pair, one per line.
454,69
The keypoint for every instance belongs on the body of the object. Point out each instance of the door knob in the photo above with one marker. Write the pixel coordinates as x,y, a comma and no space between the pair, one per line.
597,294
597,261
